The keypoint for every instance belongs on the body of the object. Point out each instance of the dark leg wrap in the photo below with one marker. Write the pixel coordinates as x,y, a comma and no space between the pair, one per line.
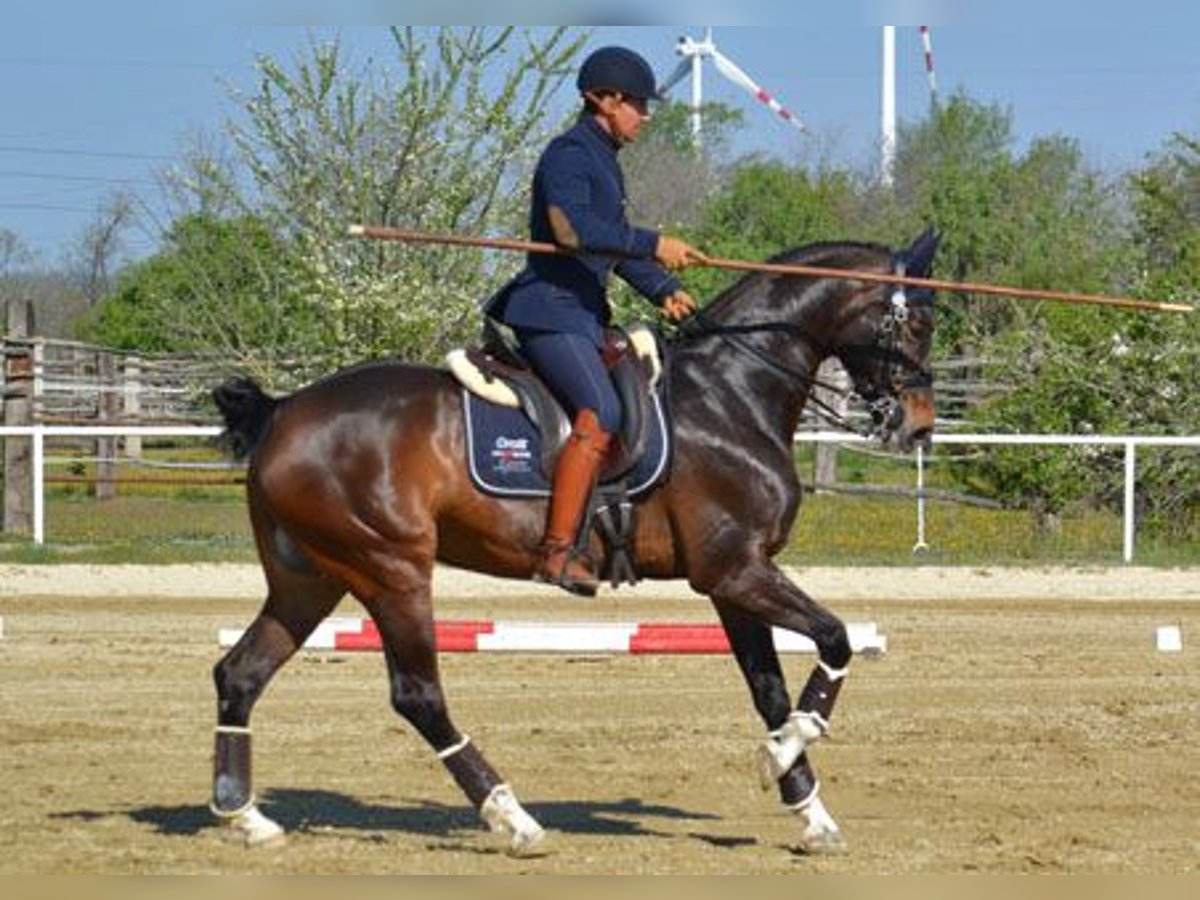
820,695
232,787
473,774
798,783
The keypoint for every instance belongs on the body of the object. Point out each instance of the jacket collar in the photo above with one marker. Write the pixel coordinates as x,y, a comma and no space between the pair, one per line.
589,126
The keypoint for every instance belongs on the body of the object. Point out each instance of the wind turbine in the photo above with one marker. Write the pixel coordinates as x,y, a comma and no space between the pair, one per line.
694,53
887,105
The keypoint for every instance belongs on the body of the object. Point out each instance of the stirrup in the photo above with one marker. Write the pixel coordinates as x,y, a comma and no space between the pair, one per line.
583,587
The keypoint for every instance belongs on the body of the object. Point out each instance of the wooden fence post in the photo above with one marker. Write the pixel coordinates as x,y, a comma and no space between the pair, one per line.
106,447
132,402
18,410
825,455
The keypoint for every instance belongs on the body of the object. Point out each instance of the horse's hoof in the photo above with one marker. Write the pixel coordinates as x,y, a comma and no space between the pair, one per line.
821,835
821,842
503,814
528,844
255,829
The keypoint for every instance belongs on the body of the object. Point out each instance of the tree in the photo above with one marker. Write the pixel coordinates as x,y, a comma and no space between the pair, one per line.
439,148
1166,202
227,285
14,255
669,178
258,264
670,182
767,207
1081,371
1038,219
97,254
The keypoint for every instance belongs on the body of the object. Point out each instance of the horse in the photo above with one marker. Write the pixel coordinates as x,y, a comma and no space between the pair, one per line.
357,483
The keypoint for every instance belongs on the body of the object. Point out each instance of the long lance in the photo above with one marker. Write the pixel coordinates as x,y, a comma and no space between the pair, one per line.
382,233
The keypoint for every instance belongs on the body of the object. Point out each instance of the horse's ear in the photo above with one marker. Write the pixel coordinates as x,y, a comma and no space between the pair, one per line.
919,256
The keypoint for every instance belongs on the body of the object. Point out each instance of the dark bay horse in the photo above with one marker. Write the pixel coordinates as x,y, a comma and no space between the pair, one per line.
358,483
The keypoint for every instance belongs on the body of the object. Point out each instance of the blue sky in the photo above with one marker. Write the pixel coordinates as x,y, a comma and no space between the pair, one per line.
89,107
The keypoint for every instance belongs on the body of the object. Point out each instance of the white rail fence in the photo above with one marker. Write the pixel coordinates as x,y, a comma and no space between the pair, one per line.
1130,443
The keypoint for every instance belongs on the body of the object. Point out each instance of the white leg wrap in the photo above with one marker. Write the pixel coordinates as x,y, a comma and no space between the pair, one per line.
504,815
833,674
821,833
255,828
448,752
782,748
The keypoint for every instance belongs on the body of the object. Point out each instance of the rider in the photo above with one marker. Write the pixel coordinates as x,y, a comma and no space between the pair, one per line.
557,306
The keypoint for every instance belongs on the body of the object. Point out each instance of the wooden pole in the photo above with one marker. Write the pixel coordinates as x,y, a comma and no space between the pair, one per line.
106,410
18,410
423,237
131,377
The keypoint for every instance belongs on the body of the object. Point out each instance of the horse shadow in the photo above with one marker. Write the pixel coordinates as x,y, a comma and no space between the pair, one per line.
316,811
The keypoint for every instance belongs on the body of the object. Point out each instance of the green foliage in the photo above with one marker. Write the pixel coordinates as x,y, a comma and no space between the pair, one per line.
442,138
670,131
227,284
768,207
1166,201
259,266
1037,219
436,148
1084,371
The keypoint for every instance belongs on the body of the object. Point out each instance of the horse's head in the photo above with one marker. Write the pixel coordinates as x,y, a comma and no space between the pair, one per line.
885,345
882,333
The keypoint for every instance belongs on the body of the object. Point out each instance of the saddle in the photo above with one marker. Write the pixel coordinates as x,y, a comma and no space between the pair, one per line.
516,428
497,373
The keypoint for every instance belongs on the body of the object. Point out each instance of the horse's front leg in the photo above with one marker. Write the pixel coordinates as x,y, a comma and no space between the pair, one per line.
783,759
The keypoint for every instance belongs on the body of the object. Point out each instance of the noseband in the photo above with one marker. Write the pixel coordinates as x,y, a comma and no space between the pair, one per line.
898,372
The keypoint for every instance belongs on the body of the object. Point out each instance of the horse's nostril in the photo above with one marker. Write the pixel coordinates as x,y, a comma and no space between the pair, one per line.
923,438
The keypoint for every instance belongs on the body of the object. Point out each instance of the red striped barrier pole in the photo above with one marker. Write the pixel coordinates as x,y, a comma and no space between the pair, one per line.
478,636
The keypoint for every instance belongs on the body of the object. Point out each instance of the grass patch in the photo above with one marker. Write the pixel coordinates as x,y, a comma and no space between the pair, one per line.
832,529
140,529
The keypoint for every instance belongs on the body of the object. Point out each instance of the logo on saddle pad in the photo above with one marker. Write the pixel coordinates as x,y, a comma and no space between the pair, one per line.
511,455
504,451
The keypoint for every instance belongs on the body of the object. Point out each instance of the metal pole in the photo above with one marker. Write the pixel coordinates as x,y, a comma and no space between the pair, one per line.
920,546
39,485
887,140
1130,485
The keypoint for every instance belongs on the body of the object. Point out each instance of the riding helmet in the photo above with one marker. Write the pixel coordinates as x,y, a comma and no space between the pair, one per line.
617,69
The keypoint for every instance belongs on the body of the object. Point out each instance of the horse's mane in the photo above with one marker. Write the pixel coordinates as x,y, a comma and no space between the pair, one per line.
818,253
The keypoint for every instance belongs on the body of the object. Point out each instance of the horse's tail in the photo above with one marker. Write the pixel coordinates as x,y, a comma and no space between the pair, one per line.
247,411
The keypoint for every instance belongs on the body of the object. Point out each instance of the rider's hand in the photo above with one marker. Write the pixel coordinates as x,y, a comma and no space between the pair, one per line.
679,306
676,254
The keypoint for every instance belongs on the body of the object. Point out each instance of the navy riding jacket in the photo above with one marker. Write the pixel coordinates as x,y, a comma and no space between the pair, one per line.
578,184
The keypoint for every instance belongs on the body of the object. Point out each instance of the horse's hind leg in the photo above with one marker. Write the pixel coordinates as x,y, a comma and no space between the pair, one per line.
405,622
295,605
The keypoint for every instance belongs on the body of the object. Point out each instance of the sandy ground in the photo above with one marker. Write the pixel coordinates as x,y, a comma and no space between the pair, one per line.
246,581
1020,722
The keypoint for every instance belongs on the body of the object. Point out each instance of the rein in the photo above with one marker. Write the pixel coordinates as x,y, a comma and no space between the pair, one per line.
882,403
700,326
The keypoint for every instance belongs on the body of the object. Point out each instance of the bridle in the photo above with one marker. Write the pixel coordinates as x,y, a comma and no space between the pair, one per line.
897,371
